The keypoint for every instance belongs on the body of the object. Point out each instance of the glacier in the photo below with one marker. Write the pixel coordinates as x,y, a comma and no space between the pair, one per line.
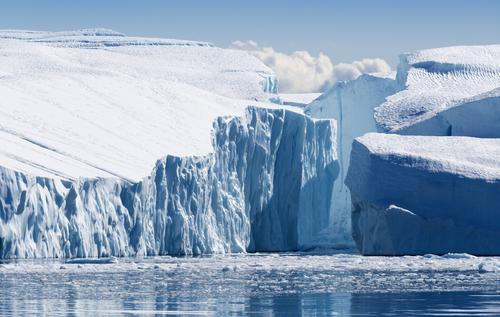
425,194
242,168
265,187
136,146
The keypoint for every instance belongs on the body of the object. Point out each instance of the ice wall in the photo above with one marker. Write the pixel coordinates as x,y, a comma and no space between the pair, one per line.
414,195
351,104
266,187
418,195
450,91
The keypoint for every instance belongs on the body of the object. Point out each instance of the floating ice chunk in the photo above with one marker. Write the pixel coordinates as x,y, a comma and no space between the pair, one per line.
110,260
488,267
458,256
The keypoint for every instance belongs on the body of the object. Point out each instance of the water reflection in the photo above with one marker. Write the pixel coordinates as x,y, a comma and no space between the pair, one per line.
190,286
337,304
426,304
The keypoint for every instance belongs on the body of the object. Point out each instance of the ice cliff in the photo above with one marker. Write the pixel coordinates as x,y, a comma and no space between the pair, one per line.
424,194
452,91
351,104
265,187
85,116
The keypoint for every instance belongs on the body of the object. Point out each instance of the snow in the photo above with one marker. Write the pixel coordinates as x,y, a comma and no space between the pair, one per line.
285,272
351,104
298,100
474,158
452,91
114,146
117,146
425,194
34,35
265,187
92,38
97,103
433,82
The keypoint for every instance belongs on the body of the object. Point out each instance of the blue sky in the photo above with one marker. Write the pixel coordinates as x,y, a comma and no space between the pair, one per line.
344,30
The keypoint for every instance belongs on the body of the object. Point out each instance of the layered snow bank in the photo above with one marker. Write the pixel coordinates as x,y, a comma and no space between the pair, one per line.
417,194
445,91
351,104
266,187
96,103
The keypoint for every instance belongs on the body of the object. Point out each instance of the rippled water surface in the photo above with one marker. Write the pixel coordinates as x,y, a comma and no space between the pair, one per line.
259,284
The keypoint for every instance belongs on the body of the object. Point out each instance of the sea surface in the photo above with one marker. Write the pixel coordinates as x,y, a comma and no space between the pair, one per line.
288,284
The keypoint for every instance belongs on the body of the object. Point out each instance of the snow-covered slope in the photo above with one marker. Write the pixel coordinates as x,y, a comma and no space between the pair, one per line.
86,116
97,103
351,104
420,194
439,88
265,187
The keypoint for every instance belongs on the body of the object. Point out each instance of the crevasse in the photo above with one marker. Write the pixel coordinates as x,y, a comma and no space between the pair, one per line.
266,187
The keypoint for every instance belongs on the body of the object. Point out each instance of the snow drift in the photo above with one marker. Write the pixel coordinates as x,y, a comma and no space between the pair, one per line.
421,194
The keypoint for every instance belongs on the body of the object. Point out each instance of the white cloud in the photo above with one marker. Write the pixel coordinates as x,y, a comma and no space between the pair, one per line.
301,72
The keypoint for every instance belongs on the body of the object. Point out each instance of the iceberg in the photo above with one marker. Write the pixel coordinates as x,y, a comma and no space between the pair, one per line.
425,194
451,91
435,194
445,91
135,146
114,110
352,105
265,187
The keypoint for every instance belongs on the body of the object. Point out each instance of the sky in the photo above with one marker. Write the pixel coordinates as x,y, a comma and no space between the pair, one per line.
343,31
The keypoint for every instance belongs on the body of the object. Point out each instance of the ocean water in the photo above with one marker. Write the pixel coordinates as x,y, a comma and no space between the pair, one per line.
290,284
